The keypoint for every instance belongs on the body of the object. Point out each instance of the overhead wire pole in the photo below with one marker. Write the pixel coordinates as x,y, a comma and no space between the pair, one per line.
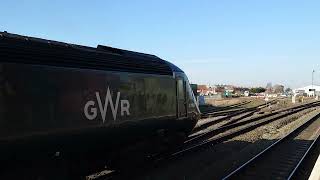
317,93
312,83
314,93
312,79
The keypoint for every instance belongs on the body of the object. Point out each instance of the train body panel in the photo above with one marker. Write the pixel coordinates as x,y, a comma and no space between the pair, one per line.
50,98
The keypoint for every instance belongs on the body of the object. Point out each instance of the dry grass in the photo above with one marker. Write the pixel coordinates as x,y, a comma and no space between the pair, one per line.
225,101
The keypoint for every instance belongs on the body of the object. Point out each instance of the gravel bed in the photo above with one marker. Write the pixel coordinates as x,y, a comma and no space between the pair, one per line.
216,161
217,125
266,129
255,141
206,120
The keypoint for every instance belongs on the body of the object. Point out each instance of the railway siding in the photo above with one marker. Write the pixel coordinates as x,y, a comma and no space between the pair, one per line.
236,151
280,159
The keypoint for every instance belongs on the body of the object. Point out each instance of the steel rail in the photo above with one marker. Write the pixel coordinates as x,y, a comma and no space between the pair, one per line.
250,163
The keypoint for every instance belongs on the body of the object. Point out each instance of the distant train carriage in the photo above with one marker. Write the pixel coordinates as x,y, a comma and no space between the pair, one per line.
81,105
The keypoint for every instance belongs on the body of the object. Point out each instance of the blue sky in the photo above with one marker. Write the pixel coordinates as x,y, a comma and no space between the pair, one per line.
246,43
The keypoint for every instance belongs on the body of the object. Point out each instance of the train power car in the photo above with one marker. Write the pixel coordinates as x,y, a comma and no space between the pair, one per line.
72,106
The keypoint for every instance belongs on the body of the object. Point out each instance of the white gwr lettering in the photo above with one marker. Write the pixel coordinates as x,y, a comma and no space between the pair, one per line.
91,112
125,105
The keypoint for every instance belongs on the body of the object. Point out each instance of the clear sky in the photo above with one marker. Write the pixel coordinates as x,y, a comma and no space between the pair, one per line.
247,43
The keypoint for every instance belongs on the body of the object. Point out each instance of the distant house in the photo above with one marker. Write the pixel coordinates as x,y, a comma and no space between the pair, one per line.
311,90
261,94
273,95
219,89
246,93
205,90
229,89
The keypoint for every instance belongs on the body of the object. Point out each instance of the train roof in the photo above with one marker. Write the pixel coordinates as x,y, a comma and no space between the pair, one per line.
30,50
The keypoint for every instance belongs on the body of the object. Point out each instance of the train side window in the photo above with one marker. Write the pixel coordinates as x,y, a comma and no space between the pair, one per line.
181,98
181,88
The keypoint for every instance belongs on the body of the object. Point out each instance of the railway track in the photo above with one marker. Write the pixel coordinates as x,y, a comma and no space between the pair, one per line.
210,109
224,133
103,175
282,159
306,165
230,114
250,112
221,113
230,111
235,122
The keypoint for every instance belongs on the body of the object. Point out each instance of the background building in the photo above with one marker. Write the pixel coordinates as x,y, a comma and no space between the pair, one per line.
311,90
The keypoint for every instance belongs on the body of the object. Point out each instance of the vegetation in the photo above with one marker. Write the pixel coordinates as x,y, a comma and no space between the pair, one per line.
257,90
288,90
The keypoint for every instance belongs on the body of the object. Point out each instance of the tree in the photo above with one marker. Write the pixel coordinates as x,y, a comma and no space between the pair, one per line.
288,91
257,90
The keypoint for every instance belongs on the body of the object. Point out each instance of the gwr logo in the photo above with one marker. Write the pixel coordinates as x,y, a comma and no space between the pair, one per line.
91,111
